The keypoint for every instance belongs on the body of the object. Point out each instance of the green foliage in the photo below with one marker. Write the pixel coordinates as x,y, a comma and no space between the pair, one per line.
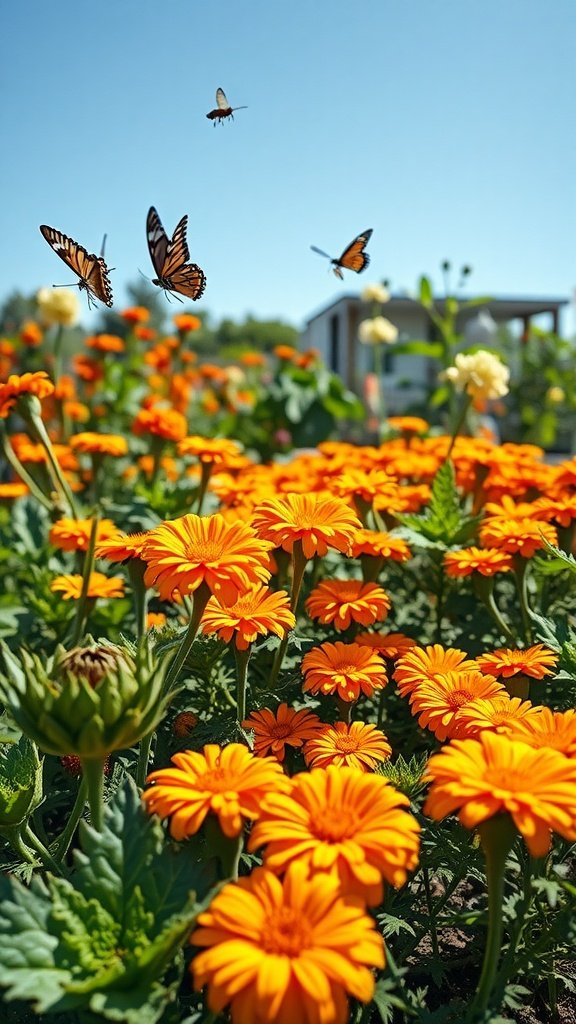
443,522
108,940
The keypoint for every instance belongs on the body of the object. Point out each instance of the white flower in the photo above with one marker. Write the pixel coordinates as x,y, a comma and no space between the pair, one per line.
58,306
481,375
372,332
375,293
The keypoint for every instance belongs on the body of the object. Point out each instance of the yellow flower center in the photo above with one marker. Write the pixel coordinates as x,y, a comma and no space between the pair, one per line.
334,824
247,606
218,781
347,744
507,778
460,697
204,551
286,933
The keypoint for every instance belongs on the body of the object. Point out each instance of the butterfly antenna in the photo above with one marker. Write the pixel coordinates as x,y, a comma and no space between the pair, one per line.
103,247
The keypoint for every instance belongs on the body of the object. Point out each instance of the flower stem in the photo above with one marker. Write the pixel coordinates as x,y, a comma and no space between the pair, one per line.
520,575
206,473
484,588
71,825
60,482
466,402
45,855
17,466
200,600
242,659
299,561
497,836
143,759
93,771
84,602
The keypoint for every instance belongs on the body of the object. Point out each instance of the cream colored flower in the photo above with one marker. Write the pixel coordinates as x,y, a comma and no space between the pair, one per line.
555,394
235,375
481,375
58,306
375,293
376,330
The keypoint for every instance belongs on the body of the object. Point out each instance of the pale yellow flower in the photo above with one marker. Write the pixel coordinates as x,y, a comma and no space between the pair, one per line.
58,306
555,394
376,330
375,293
481,375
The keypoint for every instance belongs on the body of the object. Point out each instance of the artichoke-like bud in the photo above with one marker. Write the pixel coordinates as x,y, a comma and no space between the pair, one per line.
89,701
20,783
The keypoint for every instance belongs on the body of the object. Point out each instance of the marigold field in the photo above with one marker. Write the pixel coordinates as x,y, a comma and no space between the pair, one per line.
288,734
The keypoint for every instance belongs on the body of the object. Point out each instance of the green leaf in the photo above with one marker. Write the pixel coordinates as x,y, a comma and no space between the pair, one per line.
432,349
443,521
105,940
425,292
561,560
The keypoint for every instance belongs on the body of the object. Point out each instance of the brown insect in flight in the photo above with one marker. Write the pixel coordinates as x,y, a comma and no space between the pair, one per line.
223,108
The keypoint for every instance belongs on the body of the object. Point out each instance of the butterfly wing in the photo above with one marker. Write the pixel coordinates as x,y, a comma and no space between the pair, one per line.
189,281
91,269
354,257
177,253
158,241
320,252
221,101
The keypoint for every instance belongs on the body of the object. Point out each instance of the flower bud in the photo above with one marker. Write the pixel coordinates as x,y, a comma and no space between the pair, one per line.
20,782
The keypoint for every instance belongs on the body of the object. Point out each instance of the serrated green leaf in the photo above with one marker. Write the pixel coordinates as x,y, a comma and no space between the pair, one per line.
443,521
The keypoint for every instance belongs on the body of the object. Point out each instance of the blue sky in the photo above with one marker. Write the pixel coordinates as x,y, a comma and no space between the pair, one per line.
446,126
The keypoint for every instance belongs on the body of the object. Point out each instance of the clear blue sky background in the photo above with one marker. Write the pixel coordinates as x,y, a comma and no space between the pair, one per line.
446,126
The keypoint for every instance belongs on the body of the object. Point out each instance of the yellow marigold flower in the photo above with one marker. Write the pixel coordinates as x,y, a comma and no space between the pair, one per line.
342,602
494,774
346,670
70,586
318,522
499,714
553,729
486,561
155,620
23,384
389,645
105,343
166,423
521,536
285,950
344,823
229,782
379,544
119,547
76,411
257,612
74,534
185,322
352,746
13,489
438,703
192,550
274,731
99,444
58,306
425,664
537,661
216,451
135,314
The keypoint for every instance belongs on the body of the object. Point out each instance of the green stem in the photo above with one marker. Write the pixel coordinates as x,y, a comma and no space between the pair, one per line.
57,351
60,482
299,561
345,710
14,837
520,575
93,770
228,849
65,838
45,855
484,588
497,835
242,658
17,466
201,598
136,570
143,759
466,402
428,895
378,373
204,479
85,604
381,708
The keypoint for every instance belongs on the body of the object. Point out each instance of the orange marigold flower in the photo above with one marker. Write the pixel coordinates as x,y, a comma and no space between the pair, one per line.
342,602
23,384
353,746
380,545
105,343
99,586
145,333
185,322
486,561
76,411
285,352
119,547
273,731
13,489
135,315
408,424
560,509
438,703
537,661
192,550
517,536
74,534
553,729
346,670
300,944
216,451
318,522
257,612
93,443
253,359
495,774
87,368
424,664
229,782
499,714
342,822
155,620
166,423
389,645
31,333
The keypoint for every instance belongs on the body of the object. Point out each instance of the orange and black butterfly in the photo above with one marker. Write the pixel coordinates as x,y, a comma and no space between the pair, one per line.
91,269
354,256
223,108
170,258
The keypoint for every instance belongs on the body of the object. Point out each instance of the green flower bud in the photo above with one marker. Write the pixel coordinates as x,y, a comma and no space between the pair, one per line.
20,783
88,701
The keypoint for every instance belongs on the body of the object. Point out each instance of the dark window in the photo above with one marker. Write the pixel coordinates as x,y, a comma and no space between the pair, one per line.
334,347
388,361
